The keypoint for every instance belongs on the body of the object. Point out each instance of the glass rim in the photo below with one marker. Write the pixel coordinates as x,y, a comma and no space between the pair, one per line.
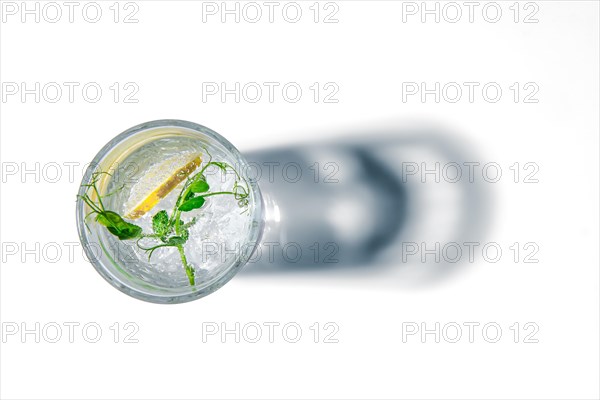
137,291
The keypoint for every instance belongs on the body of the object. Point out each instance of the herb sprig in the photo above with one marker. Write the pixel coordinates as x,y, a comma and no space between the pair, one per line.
167,230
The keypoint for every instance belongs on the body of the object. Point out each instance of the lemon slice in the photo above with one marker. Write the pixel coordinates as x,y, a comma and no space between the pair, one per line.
158,182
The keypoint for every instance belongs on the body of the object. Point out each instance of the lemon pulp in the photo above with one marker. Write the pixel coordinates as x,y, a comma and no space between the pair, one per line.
158,182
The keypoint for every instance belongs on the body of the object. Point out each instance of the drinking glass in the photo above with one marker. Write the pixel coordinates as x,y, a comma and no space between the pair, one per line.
219,243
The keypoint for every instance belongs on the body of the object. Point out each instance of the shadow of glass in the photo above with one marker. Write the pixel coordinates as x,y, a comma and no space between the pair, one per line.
406,205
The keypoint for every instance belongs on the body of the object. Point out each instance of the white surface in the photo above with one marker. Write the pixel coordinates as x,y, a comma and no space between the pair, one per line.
368,54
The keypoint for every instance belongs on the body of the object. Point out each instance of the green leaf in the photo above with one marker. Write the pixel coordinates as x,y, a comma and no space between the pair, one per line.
199,186
192,204
130,231
109,218
175,240
188,196
160,223
117,226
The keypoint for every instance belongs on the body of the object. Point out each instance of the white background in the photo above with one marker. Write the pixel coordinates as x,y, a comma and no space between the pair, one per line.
369,53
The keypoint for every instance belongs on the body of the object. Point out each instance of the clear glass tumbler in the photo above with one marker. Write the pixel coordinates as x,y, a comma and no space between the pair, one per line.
221,235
